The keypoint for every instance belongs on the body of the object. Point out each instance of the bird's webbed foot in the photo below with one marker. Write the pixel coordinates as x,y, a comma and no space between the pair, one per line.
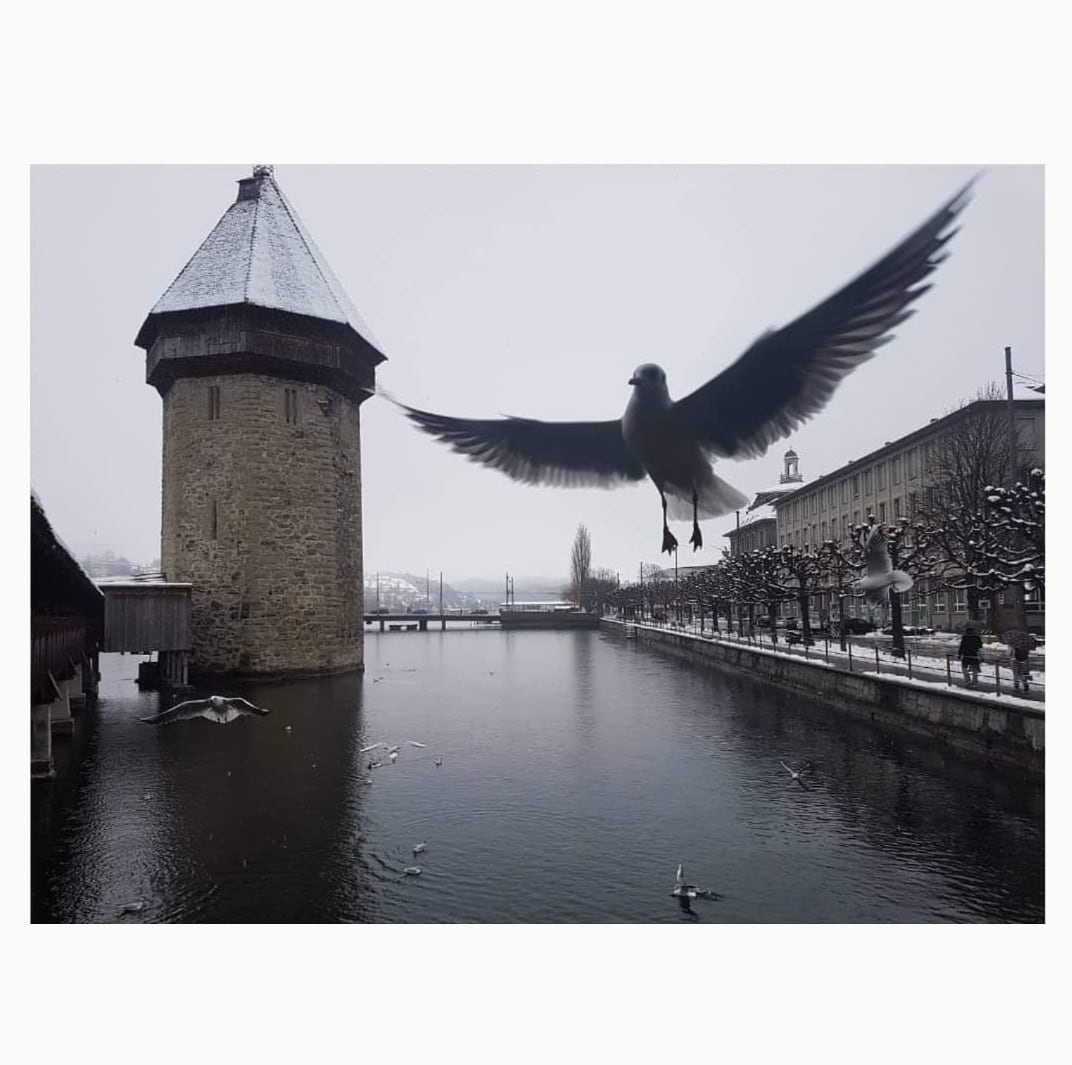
669,541
697,537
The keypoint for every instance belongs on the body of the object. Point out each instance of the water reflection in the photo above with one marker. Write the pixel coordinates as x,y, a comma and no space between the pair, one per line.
562,754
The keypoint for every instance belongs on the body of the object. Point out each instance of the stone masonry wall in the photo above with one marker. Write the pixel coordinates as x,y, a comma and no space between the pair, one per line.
277,586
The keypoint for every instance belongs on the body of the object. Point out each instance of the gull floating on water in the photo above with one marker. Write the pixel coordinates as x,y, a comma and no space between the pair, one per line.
785,377
217,708
419,847
412,870
684,891
438,762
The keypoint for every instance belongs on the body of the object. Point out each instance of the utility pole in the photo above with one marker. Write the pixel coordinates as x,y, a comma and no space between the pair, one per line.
1011,408
1019,606
377,593
737,538
442,616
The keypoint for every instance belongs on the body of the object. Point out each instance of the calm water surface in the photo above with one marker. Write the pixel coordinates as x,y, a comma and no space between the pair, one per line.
578,770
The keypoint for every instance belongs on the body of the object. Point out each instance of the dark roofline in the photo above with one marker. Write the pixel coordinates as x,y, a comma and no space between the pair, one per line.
935,425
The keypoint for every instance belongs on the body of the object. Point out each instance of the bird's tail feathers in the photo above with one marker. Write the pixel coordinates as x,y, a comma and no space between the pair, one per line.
716,497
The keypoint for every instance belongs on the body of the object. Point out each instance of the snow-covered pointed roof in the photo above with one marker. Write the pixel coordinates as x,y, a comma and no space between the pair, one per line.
260,253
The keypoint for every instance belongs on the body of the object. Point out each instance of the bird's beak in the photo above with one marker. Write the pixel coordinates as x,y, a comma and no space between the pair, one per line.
632,380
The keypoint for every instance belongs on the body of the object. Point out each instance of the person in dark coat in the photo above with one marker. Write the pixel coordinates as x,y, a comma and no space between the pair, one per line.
970,646
1020,645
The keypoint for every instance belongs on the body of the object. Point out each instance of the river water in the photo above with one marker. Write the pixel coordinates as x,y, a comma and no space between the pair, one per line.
577,770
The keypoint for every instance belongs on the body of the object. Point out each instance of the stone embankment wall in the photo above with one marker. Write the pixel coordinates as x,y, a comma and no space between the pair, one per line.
262,514
1010,734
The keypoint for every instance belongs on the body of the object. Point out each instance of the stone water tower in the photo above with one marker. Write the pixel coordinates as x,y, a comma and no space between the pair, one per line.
261,360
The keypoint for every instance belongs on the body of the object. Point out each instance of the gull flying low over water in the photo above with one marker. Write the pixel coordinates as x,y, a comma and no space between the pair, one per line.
784,378
881,576
220,709
797,774
393,748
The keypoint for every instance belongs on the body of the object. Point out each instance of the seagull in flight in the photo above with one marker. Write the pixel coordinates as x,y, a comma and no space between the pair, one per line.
393,748
797,774
785,377
217,708
881,576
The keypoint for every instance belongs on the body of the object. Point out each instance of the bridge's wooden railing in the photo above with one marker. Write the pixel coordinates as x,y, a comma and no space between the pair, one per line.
56,646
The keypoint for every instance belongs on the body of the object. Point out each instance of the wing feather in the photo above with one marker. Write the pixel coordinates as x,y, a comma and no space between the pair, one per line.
789,374
567,454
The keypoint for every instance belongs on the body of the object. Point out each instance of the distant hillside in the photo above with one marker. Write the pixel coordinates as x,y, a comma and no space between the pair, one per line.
525,588
407,591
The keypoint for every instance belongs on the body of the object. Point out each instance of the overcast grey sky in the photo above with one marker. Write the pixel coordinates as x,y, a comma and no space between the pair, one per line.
520,290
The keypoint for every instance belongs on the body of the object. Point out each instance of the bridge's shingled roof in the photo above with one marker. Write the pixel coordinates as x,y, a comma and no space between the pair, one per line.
260,253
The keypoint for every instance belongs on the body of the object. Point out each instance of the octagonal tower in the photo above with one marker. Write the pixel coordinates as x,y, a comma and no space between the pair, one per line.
261,361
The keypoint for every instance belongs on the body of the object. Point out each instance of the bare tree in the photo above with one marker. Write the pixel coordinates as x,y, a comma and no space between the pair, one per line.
972,454
580,564
599,589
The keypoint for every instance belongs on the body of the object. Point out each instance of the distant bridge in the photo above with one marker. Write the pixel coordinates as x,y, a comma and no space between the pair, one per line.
420,621
528,616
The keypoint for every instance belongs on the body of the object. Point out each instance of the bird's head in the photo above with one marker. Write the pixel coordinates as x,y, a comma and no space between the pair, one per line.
649,377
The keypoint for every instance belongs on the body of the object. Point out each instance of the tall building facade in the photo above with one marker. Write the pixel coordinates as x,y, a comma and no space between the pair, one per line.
890,483
262,363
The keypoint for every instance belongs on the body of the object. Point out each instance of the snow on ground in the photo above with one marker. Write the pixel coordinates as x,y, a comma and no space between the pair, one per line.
831,656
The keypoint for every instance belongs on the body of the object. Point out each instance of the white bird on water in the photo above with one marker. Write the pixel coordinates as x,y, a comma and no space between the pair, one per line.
685,891
412,870
784,378
219,709
796,774
419,847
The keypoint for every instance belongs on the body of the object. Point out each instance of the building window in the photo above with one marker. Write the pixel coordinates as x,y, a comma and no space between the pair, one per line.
844,526
911,504
880,475
939,602
882,513
1025,434
815,504
1035,600
912,463
825,537
213,520
844,492
960,600
856,517
855,486
213,402
290,405
895,465
896,508
868,488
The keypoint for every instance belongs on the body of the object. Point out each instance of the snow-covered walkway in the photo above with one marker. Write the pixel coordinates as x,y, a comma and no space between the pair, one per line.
866,655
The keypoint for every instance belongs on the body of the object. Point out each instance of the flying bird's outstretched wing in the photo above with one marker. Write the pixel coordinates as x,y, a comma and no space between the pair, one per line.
246,707
179,712
567,454
789,374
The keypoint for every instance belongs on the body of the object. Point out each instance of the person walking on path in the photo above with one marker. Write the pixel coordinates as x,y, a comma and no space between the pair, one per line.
1020,645
968,652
